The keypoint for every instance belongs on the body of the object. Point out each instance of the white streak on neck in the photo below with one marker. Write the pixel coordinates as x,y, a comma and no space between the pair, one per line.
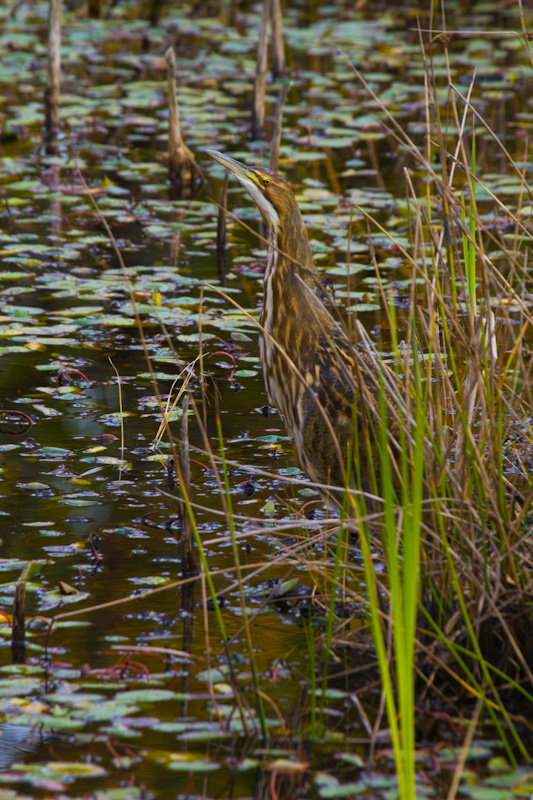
268,212
268,297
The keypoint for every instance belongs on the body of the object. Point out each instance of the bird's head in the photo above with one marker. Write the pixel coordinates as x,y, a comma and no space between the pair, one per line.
271,193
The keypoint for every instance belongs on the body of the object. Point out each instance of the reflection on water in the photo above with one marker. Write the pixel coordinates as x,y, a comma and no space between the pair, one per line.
19,742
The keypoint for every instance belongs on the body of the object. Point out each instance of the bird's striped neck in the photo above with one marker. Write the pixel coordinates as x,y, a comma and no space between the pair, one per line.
289,259
289,248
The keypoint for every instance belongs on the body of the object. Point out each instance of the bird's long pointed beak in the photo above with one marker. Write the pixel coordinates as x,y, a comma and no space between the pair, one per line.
241,171
250,178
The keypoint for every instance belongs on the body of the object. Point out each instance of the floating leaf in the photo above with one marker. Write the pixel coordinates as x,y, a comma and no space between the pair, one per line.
283,588
146,696
342,790
76,769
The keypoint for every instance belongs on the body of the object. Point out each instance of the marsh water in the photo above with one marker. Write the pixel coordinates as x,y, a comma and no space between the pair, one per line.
142,698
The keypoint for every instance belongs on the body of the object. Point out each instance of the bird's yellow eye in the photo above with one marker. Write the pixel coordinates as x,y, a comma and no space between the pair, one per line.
266,181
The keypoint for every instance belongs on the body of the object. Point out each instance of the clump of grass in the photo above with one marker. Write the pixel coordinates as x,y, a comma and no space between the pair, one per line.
474,590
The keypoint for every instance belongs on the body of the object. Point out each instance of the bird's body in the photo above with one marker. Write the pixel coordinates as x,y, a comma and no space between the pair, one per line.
312,373
308,370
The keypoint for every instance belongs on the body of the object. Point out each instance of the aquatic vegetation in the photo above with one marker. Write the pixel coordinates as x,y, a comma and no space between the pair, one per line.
259,668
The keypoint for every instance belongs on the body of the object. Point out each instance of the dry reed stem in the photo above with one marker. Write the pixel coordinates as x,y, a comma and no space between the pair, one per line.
182,166
147,649
221,231
258,109
53,73
278,129
278,47
465,749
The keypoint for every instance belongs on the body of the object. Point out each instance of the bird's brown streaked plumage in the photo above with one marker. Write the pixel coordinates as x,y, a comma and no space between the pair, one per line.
314,376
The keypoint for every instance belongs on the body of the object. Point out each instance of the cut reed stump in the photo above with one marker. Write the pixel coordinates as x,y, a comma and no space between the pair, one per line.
182,166
53,75
278,47
258,110
278,128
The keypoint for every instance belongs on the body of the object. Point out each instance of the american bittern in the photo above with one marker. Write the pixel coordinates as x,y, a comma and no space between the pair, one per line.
326,389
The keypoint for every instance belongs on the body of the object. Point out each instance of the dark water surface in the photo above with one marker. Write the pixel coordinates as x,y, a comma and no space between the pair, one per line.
104,523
